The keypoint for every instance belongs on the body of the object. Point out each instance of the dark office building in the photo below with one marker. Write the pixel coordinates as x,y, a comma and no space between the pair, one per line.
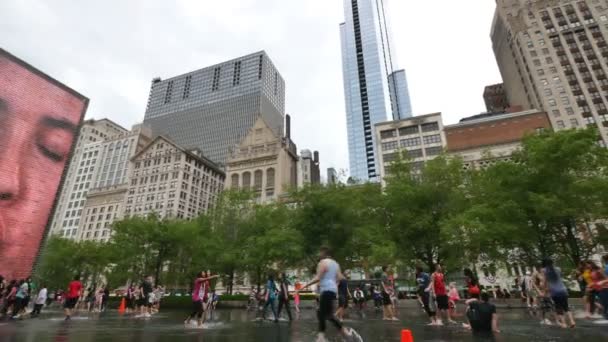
213,108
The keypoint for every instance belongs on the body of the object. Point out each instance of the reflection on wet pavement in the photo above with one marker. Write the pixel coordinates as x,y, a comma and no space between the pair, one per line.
239,325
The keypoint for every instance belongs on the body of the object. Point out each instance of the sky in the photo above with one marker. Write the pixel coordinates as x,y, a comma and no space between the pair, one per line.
110,50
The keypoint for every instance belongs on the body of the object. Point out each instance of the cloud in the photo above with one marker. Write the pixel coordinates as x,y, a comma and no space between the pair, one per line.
110,50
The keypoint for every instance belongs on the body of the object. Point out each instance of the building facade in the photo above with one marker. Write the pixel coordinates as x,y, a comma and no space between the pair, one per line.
308,168
81,175
264,163
373,88
553,56
213,108
105,198
172,182
482,141
332,176
422,137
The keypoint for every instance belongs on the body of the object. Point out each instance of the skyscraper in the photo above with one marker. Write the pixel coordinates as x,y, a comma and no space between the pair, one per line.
553,57
213,108
374,90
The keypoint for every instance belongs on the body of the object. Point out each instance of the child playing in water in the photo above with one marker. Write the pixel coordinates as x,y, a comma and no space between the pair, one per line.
453,297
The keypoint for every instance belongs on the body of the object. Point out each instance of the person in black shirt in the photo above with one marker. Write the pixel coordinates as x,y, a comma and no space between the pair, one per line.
284,296
343,295
482,315
145,289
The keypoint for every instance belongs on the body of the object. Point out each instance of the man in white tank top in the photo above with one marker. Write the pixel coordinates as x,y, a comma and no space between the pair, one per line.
328,275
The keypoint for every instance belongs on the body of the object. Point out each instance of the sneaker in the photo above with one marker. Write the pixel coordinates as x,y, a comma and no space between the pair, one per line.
147,315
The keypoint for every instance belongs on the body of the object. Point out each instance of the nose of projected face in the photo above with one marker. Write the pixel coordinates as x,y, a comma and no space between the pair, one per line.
10,173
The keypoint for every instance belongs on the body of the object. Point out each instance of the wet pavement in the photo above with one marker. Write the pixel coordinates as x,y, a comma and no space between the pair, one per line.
240,325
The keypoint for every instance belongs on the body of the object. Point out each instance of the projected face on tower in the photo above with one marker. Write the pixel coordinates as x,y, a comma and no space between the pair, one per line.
39,119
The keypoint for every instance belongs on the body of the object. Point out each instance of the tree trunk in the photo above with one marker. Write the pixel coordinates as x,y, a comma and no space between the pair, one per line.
574,249
159,265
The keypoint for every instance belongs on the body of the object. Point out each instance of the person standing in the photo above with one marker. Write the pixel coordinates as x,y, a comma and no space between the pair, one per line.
71,297
343,295
388,312
600,287
423,280
270,296
558,292
284,296
359,298
441,294
328,275
472,283
145,290
198,295
40,301
528,290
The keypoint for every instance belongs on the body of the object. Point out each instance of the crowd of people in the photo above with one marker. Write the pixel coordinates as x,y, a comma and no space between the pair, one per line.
23,299
542,289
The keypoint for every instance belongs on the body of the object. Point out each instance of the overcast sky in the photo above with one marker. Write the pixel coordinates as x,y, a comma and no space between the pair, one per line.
110,50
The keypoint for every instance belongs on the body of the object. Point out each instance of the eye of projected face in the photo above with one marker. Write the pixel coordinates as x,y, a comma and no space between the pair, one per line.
51,138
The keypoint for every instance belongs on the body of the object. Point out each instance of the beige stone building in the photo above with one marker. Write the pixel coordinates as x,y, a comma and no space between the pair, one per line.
171,181
82,172
105,198
264,163
553,56
421,136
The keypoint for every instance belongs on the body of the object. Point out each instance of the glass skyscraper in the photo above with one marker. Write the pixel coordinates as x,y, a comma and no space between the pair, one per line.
212,109
374,91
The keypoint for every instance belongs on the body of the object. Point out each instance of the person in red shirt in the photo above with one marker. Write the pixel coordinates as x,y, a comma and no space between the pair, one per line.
71,297
441,294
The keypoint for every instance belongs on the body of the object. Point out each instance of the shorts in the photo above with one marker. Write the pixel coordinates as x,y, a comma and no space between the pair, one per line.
386,299
561,304
343,302
70,303
442,302
144,301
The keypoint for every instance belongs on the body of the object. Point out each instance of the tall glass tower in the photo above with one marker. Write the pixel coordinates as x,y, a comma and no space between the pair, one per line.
374,90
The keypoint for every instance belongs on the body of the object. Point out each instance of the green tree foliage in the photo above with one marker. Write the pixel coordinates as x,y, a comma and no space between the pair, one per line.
549,199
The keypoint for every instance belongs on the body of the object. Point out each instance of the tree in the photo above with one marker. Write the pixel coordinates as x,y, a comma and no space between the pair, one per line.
421,208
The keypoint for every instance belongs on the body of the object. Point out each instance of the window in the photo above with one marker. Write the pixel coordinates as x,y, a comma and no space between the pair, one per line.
565,100
408,130
391,145
389,157
533,53
432,139
415,153
536,62
234,182
216,79
556,79
389,133
544,81
433,151
540,72
257,180
574,122
560,124
541,42
589,120
545,51
430,127
548,92
270,178
246,180
569,110
410,142
552,102
556,113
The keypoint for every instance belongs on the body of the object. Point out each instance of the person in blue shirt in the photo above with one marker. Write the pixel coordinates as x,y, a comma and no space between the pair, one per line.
423,280
271,295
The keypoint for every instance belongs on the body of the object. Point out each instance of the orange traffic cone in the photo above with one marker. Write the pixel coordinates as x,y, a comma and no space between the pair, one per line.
406,336
123,306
